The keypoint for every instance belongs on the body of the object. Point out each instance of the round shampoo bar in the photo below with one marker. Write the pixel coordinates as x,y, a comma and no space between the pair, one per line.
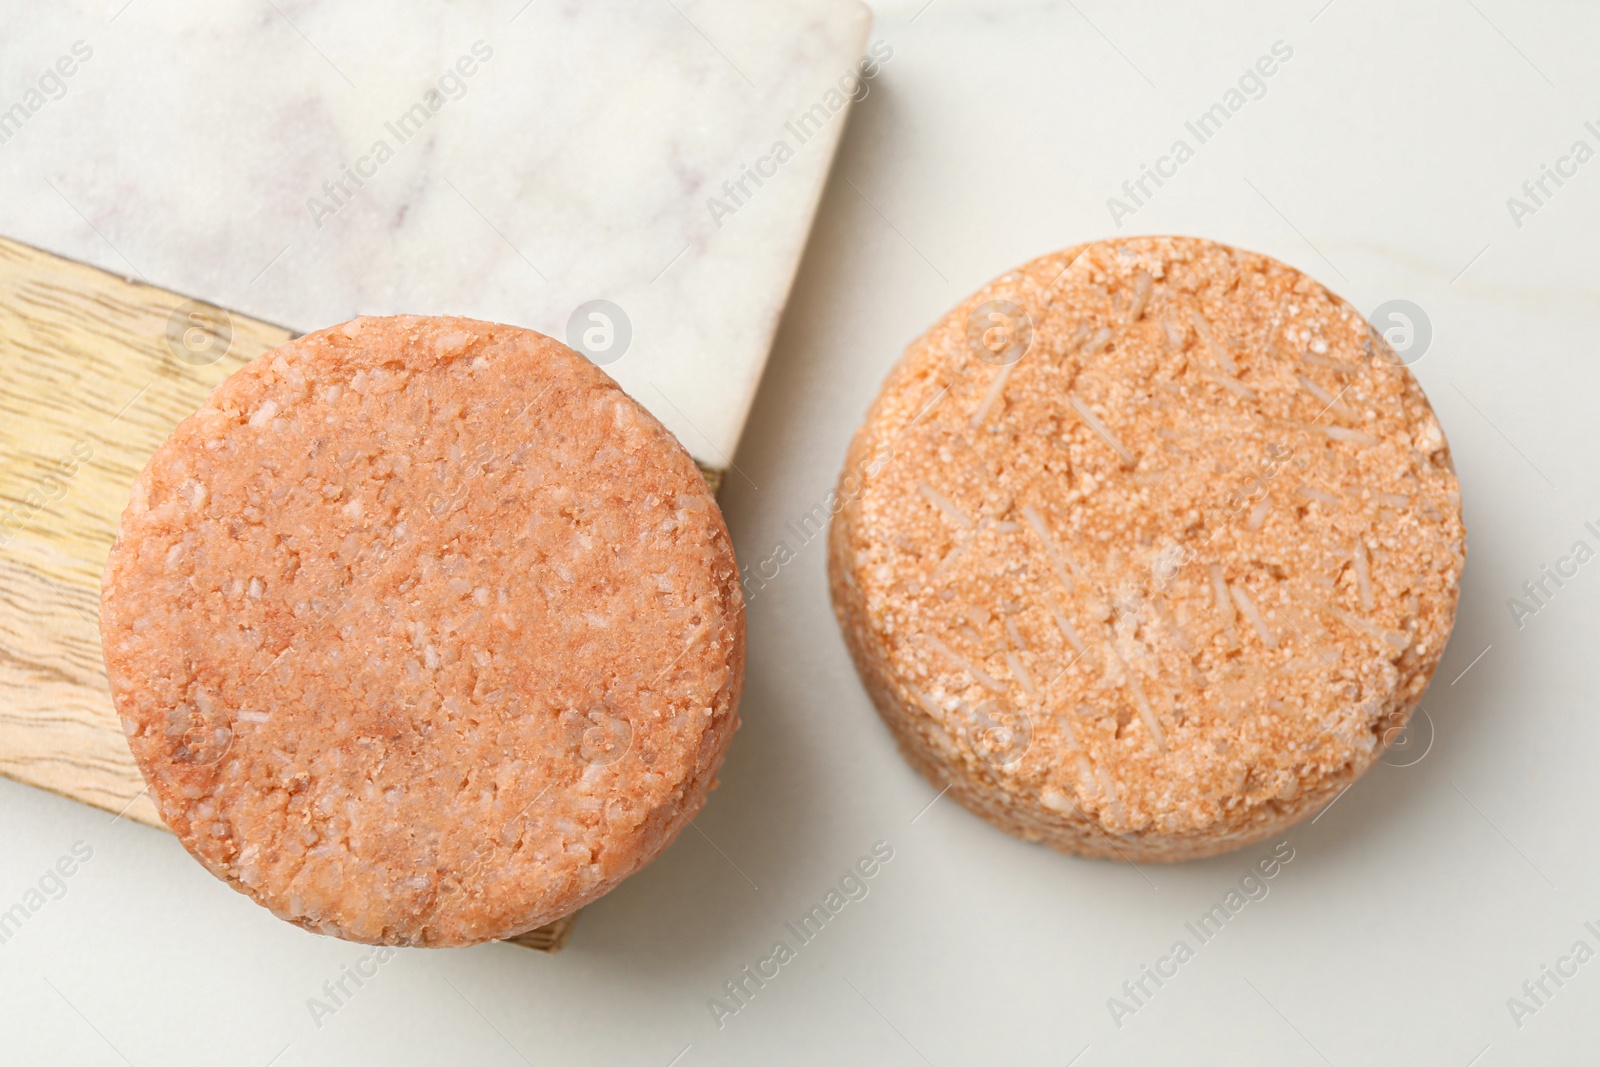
1148,549
423,632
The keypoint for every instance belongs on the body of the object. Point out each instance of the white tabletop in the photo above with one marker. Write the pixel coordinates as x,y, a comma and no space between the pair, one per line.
1379,157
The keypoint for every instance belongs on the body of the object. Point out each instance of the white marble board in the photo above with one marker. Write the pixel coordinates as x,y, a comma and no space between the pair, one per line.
305,161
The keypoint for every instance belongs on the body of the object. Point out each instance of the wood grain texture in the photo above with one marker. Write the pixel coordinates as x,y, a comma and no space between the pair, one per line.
95,371
89,387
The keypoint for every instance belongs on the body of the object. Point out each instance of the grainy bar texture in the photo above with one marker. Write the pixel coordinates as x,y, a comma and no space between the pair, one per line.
1167,582
423,632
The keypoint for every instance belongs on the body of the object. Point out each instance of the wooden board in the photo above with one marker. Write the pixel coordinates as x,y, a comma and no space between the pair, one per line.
95,371
89,387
